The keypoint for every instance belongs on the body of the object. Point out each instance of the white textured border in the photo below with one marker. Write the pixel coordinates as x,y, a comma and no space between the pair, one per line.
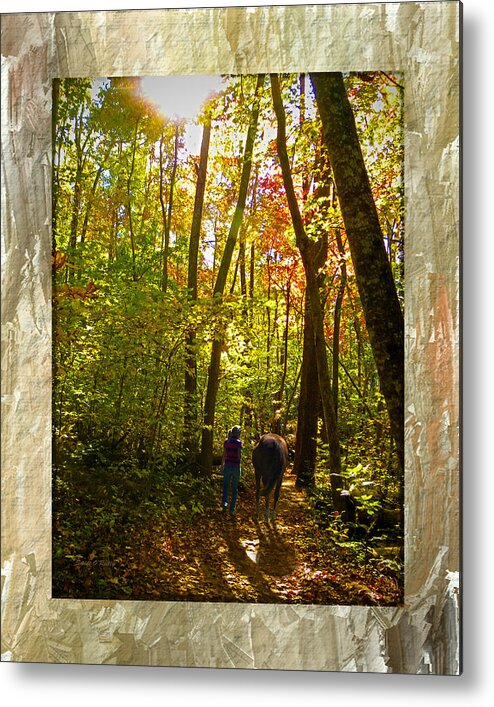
419,39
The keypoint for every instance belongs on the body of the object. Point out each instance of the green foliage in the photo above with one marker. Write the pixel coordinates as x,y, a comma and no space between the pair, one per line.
362,540
100,499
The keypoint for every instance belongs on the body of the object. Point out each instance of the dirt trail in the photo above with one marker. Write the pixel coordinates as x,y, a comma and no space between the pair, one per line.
242,560
265,554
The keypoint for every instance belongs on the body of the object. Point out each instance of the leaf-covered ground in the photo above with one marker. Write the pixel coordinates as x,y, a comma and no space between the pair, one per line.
215,558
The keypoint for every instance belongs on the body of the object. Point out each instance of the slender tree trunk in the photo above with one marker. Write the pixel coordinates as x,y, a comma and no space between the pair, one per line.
113,235
242,195
129,204
278,396
55,176
214,365
285,338
164,264
268,328
145,197
167,212
247,295
305,173
235,273
76,202
383,315
243,278
195,230
89,205
353,383
289,402
251,271
54,214
92,192
314,304
191,402
337,320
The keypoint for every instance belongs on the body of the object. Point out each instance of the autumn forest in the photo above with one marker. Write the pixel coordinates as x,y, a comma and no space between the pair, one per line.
239,262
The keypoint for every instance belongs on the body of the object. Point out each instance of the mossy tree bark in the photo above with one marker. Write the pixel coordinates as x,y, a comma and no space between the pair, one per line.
377,290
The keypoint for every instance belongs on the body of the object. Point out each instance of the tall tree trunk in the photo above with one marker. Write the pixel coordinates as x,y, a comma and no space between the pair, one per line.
278,396
243,278
285,338
235,272
242,194
383,315
304,463
303,101
54,244
113,234
337,319
54,166
129,204
268,327
214,365
314,305
76,201
308,412
164,264
246,415
251,270
89,204
191,402
167,212
92,191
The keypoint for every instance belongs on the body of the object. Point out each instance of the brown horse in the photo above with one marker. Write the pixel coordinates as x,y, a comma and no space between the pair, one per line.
270,459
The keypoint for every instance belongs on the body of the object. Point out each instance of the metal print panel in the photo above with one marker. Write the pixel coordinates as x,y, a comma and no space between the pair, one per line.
281,602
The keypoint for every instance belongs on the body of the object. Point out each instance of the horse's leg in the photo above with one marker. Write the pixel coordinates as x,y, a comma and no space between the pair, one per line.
266,509
276,496
258,489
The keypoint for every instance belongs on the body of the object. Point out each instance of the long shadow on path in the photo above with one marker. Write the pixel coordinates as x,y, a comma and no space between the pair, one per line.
262,554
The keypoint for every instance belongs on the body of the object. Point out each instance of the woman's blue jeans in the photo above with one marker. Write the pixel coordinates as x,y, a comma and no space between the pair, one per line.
231,475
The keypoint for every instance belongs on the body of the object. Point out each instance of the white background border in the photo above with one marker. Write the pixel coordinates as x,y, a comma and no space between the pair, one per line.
78,685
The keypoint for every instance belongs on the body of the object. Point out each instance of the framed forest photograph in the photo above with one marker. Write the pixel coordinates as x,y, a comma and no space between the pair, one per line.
230,324
182,309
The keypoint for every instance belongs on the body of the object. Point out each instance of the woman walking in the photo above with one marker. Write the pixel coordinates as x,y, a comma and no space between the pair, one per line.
232,454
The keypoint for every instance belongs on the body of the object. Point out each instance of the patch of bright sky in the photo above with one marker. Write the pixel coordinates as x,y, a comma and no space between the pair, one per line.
183,97
178,98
